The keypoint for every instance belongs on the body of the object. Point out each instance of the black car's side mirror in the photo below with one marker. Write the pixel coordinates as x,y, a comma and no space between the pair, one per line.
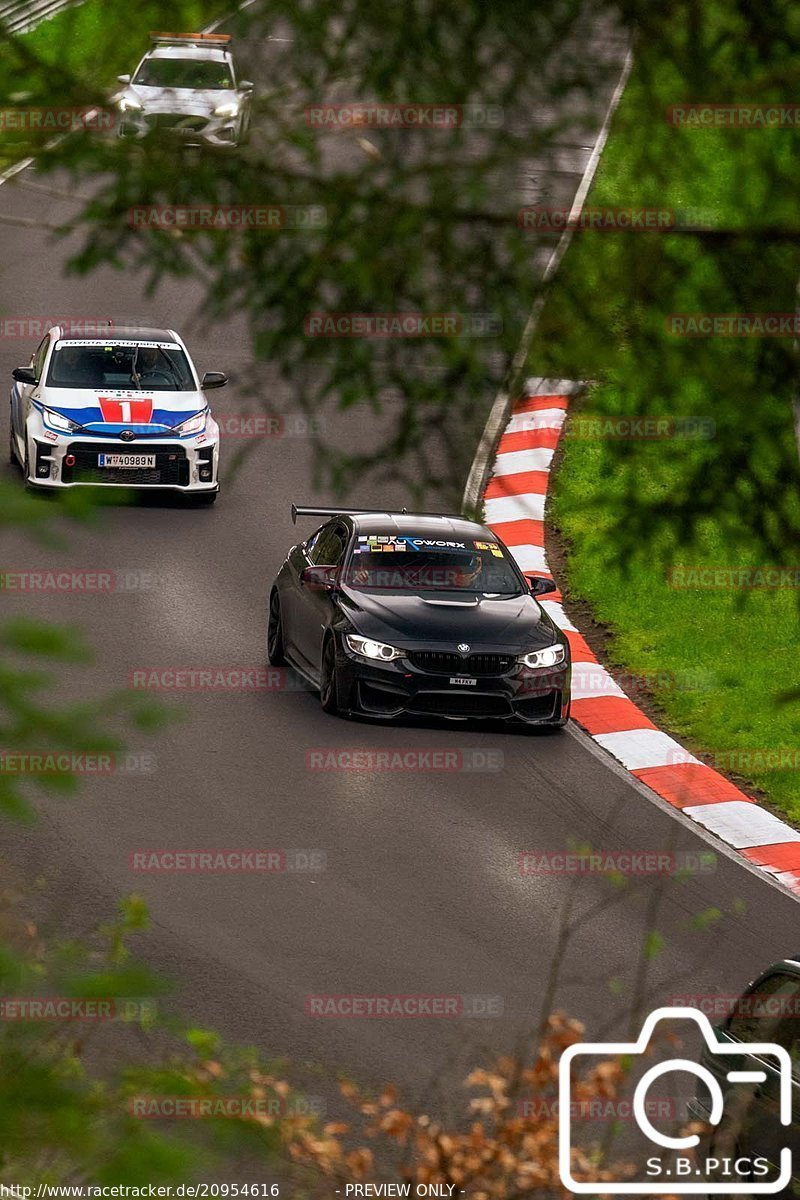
320,579
24,375
540,585
213,379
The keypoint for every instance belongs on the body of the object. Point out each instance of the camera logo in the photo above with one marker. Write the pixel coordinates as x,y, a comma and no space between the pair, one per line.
679,1173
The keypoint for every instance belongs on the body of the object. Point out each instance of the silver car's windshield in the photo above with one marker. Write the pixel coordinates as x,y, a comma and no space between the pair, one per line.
194,74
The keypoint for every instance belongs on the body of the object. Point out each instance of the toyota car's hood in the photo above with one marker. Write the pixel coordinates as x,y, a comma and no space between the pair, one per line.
107,412
180,100
509,624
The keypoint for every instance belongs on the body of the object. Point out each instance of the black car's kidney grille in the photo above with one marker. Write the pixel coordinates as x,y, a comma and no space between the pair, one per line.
172,465
441,662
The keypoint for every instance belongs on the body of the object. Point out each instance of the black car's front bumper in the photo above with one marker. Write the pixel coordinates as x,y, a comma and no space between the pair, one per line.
390,690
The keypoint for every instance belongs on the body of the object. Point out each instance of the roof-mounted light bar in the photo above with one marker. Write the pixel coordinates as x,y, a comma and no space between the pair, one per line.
199,39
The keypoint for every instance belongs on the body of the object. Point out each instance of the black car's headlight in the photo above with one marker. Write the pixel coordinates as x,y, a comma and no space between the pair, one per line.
369,648
548,656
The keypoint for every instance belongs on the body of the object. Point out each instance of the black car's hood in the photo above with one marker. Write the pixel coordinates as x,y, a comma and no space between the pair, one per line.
488,624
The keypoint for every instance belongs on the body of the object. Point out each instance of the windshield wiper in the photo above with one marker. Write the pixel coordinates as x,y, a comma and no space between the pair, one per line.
134,373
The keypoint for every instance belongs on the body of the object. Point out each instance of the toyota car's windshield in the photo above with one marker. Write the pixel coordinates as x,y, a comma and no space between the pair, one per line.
422,564
152,366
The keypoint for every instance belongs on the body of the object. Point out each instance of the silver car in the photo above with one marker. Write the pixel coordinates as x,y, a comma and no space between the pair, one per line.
186,86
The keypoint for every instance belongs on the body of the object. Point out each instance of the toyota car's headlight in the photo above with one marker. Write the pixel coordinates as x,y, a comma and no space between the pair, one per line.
195,424
227,109
57,420
549,656
368,648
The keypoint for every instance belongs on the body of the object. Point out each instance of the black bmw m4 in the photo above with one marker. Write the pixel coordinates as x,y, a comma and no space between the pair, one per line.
392,614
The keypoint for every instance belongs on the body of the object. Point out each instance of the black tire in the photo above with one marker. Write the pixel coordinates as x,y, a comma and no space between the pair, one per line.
275,648
205,500
328,687
12,454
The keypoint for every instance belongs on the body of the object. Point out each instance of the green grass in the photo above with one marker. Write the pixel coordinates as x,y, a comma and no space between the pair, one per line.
621,507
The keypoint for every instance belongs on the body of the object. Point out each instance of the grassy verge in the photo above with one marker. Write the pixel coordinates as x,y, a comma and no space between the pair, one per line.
628,510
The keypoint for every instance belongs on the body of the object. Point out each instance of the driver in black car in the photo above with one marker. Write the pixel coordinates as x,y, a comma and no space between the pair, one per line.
467,574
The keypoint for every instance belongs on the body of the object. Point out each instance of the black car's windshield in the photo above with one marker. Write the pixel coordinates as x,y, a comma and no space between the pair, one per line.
196,74
421,564
146,366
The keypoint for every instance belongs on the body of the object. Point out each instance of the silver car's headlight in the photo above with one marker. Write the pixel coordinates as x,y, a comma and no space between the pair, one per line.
57,420
128,104
195,424
229,108
548,656
368,648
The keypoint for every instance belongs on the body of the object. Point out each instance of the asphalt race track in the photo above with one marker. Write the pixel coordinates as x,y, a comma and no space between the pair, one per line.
421,891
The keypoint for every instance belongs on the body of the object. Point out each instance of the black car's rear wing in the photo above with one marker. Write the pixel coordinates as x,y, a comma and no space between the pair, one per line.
305,510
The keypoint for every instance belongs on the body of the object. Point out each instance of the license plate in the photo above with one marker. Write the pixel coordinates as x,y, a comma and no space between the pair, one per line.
126,460
462,681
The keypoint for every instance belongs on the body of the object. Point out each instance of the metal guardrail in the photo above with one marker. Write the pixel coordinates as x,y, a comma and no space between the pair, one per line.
20,16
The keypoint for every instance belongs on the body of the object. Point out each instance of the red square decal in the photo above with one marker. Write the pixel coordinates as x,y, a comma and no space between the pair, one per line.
137,410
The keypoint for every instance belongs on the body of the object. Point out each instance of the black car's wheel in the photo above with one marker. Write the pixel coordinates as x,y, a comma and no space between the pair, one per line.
275,648
328,687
